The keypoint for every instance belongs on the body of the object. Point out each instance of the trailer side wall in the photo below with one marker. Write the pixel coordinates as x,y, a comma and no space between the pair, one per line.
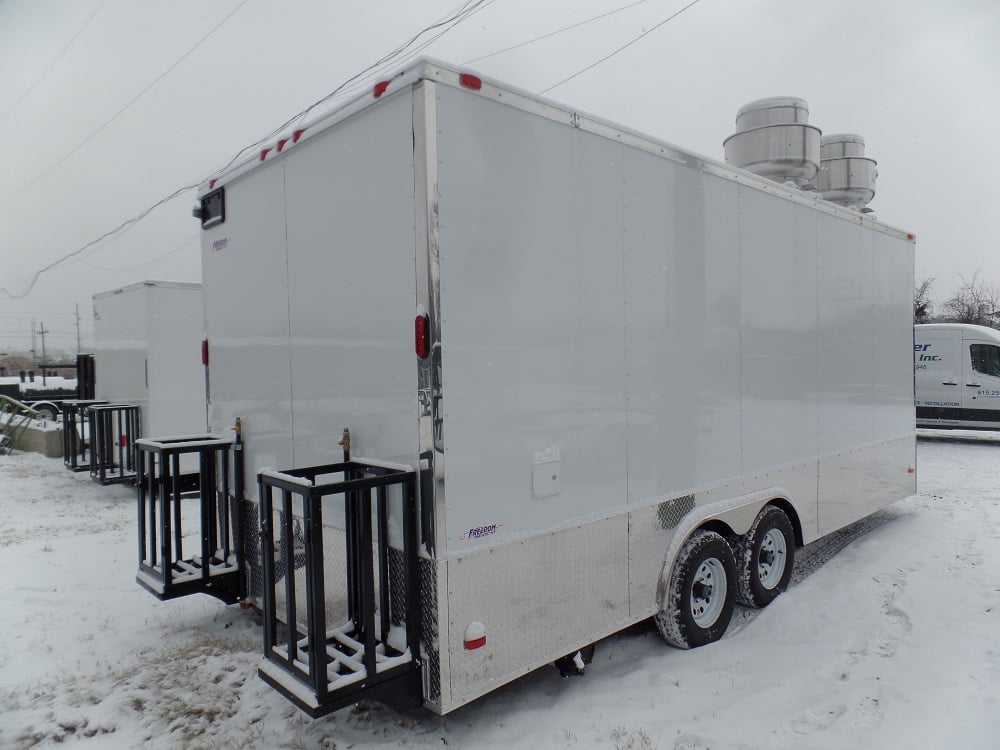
643,340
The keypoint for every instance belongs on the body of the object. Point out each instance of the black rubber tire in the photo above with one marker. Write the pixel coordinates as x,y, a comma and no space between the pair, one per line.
676,621
750,590
48,412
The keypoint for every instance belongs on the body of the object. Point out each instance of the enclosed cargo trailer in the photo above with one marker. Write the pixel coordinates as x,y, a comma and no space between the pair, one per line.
147,339
596,379
149,375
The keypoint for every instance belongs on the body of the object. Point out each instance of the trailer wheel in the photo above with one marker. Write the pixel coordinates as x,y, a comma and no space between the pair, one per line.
46,410
701,594
765,558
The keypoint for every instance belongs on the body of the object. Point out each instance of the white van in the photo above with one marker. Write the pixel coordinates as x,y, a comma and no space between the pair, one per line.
957,375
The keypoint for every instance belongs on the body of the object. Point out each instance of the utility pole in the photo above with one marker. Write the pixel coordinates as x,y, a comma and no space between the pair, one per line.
42,332
34,357
78,329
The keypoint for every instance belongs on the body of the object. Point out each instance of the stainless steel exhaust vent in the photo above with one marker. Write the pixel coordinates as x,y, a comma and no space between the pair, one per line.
774,139
846,176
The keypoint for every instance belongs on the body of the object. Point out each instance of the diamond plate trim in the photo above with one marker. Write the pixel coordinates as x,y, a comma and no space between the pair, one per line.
671,512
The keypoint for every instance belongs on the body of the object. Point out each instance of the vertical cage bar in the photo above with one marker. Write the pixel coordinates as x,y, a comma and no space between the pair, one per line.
118,421
382,515
166,538
174,484
264,492
226,504
312,507
237,511
286,541
410,573
151,504
367,578
207,508
141,505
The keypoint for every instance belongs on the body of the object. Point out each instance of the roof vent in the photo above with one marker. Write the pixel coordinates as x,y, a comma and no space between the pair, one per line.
774,139
847,176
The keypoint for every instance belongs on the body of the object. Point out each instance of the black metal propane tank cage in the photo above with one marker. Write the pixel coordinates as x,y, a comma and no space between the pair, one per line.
329,553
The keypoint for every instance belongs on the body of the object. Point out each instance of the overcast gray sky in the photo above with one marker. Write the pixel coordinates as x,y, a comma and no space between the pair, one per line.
108,106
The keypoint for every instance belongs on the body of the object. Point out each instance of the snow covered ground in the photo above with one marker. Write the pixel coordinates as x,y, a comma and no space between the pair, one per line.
51,382
888,638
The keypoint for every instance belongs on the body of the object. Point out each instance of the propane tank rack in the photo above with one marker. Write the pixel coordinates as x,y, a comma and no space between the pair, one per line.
76,433
172,499
113,430
329,643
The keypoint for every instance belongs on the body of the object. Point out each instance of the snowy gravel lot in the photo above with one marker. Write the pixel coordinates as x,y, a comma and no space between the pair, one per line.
888,638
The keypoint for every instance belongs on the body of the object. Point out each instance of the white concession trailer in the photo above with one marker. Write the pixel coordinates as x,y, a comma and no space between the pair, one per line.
147,343
594,379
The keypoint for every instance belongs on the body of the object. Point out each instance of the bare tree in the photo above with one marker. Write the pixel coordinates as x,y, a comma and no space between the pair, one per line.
976,301
922,305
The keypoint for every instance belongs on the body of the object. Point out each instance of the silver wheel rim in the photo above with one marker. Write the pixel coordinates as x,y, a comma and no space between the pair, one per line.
771,560
708,593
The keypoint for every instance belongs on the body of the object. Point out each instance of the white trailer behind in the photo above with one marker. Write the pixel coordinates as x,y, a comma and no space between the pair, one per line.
640,379
147,339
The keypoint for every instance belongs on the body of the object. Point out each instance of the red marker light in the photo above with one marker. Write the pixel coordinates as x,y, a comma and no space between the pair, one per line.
264,153
204,352
281,144
297,134
470,81
422,335
475,636
211,184
380,88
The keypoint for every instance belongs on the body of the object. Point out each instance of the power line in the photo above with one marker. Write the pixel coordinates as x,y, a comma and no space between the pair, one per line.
463,12
621,49
146,264
52,64
121,111
121,227
554,33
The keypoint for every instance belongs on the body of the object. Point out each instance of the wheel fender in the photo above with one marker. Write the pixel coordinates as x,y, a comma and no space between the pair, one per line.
737,513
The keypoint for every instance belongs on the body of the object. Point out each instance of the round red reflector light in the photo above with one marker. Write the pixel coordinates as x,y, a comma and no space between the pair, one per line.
470,81
380,88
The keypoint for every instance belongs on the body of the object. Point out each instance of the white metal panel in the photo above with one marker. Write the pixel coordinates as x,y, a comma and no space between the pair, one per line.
682,314
352,291
545,597
532,321
778,330
244,272
121,341
892,326
858,481
846,336
176,375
